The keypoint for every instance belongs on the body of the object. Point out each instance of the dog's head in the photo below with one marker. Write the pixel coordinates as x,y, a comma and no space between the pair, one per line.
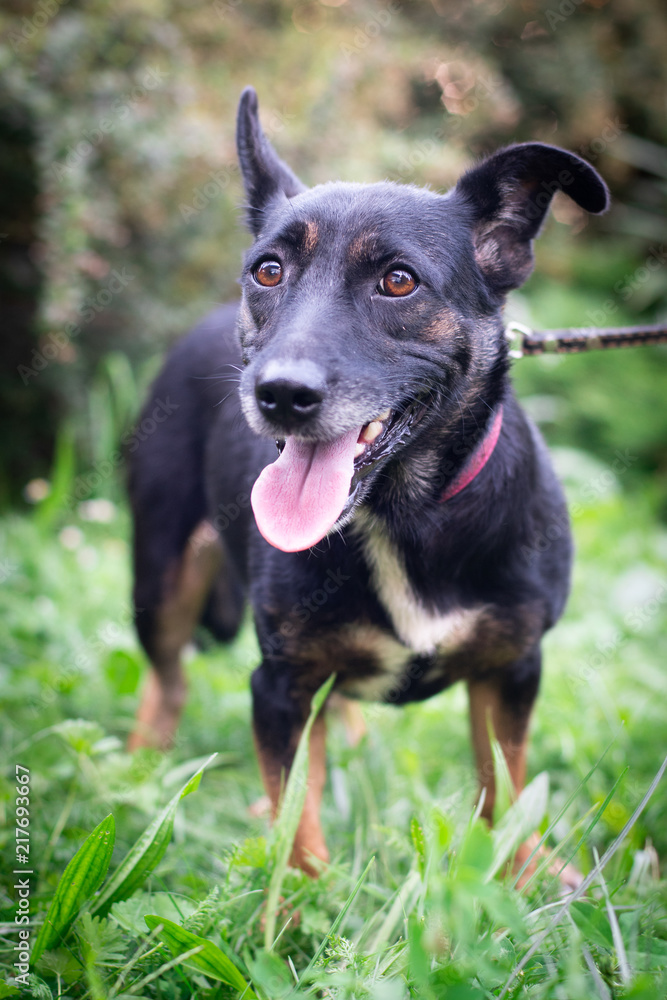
371,316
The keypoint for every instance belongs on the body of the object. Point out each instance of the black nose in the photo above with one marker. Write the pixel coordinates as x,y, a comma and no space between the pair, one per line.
290,394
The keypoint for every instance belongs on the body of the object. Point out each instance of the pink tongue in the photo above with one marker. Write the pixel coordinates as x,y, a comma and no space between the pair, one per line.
300,497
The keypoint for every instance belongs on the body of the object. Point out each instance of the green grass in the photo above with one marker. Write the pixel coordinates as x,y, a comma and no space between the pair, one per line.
409,907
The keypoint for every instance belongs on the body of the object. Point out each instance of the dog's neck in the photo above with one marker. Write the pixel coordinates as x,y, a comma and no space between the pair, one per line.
442,463
478,459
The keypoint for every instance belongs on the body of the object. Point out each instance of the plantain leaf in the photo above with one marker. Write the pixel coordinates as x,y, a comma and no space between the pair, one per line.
211,960
147,852
521,819
82,877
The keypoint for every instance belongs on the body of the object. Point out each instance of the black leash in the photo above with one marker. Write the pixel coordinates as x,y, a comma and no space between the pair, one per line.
574,340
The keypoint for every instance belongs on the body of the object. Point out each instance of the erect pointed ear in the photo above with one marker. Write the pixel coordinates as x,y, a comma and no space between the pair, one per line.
265,176
510,193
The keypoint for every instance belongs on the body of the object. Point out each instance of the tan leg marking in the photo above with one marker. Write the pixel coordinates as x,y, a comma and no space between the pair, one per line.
511,731
158,713
351,715
309,839
186,592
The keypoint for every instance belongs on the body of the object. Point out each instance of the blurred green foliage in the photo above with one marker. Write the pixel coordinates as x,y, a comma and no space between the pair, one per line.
119,188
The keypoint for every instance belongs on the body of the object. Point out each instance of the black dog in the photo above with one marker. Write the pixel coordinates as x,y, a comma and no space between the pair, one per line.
401,519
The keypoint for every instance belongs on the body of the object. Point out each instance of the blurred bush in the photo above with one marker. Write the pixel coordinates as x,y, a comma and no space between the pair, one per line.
119,188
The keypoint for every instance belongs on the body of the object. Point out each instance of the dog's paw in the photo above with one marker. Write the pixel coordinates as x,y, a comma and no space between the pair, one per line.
569,877
310,857
260,807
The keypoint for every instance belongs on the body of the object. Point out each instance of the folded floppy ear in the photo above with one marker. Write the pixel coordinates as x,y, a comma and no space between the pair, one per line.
510,193
265,176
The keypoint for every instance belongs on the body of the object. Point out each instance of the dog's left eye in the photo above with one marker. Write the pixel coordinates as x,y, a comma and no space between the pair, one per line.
397,283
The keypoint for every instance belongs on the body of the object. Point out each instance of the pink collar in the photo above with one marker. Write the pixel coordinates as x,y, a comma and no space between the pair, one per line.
477,460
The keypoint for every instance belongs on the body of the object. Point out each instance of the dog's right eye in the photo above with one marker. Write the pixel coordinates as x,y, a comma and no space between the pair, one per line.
269,273
397,283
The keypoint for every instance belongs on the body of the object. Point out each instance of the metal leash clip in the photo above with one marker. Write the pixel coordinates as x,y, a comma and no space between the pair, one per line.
516,334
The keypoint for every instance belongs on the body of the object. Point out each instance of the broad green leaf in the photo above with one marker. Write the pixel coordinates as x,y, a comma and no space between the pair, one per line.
271,976
123,671
593,924
291,807
402,905
420,959
82,877
210,960
131,912
520,820
476,851
147,852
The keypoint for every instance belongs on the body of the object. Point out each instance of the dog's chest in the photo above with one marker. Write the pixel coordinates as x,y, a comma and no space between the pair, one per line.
422,638
419,628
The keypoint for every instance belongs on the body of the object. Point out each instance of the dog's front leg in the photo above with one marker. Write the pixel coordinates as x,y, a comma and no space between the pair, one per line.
506,708
278,721
505,701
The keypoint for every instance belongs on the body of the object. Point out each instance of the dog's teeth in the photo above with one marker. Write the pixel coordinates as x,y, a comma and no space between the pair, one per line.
359,449
384,415
371,431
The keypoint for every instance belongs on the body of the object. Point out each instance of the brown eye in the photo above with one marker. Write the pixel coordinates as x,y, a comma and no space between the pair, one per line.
269,273
397,283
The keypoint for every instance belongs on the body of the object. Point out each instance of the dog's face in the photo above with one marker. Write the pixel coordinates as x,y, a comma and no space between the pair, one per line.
371,314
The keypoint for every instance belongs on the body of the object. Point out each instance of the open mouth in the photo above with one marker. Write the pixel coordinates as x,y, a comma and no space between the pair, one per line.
384,435
299,498
369,446
370,439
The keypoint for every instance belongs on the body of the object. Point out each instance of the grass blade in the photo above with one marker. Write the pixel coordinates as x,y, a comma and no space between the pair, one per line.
505,791
82,877
401,906
603,992
587,882
338,921
291,807
599,812
147,852
554,822
210,959
63,471
619,944
176,962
